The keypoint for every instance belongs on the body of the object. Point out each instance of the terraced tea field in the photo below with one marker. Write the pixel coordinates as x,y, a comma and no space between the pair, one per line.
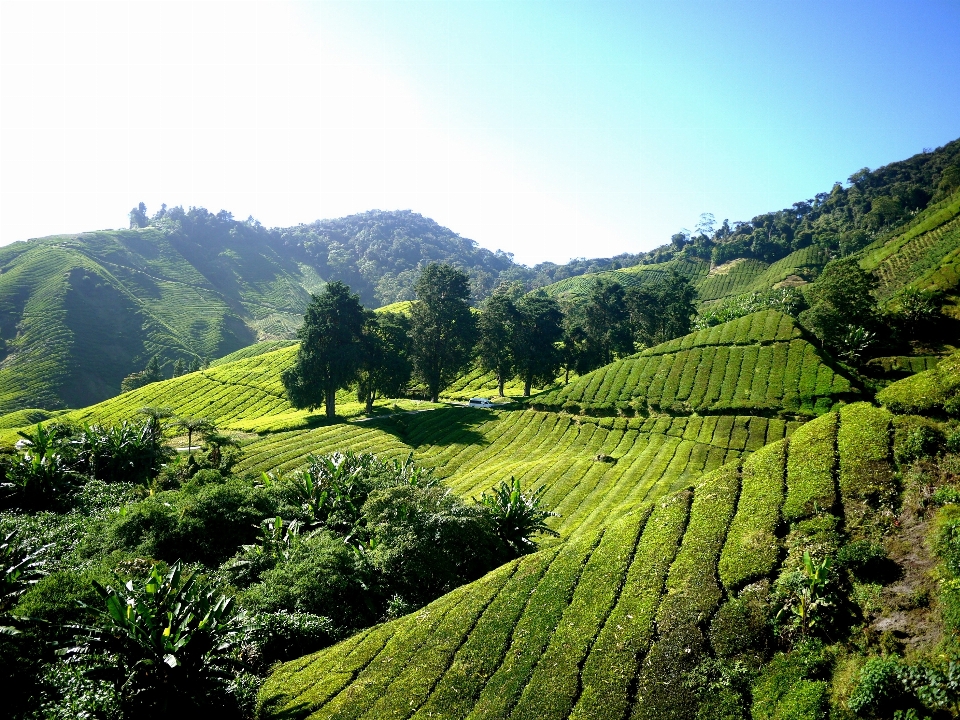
756,364
244,395
600,625
473,450
924,255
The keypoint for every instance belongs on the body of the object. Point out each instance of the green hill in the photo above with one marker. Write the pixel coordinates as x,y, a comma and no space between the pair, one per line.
80,312
759,363
602,625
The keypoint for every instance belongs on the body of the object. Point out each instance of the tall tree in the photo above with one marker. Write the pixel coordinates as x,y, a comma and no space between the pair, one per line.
538,329
442,328
841,304
495,332
385,368
331,349
138,217
663,311
606,321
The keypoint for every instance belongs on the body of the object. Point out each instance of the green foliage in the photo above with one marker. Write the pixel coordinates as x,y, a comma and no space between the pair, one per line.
495,329
20,567
879,687
808,595
755,363
322,576
516,516
788,688
385,367
164,642
283,636
150,374
204,524
442,328
331,349
933,392
662,311
536,330
947,537
863,445
841,302
789,301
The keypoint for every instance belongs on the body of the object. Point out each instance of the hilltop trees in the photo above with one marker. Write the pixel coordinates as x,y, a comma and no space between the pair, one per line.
662,311
495,328
442,327
537,330
385,368
606,323
331,349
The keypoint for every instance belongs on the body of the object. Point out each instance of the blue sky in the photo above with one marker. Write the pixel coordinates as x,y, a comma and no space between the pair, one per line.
548,129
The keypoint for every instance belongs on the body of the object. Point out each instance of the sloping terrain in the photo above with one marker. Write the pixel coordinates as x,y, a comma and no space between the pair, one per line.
759,363
592,468
606,624
80,312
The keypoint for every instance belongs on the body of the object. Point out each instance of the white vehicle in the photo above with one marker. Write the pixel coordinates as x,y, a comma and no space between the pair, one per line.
480,403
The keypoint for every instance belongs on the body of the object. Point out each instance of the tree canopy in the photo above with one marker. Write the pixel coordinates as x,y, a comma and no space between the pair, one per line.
331,349
442,327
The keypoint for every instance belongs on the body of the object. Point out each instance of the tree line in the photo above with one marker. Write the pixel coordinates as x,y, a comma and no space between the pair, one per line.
531,337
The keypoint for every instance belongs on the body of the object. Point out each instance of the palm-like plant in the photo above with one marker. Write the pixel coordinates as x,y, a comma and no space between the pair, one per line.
517,517
172,642
20,567
195,426
42,476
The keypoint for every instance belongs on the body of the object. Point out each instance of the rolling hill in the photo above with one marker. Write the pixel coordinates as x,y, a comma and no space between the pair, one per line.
80,312
759,363
604,624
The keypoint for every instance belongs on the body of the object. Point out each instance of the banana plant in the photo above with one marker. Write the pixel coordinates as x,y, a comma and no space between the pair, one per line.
810,596
517,516
172,643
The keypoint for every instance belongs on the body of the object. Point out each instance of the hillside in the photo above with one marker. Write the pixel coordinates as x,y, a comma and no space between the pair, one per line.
600,625
80,312
759,363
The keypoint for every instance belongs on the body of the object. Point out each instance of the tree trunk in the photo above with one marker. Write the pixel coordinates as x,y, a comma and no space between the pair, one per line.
566,379
526,386
331,403
369,403
500,384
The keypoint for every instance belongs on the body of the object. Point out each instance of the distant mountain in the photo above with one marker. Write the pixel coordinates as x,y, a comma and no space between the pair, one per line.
80,312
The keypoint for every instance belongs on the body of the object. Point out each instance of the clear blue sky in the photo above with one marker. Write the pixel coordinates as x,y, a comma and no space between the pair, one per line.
549,129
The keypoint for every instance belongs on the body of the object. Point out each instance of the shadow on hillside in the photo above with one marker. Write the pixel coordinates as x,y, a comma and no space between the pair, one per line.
454,425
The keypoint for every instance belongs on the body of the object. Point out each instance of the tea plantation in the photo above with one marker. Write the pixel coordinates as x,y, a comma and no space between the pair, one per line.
759,363
608,624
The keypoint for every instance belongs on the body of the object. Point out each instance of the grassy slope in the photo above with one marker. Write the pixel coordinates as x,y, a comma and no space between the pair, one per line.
78,313
597,627
733,278
756,364
926,253
473,450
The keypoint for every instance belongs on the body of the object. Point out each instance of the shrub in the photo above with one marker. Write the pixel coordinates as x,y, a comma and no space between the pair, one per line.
323,576
197,524
880,688
917,442
742,625
426,541
947,537
516,516
285,635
